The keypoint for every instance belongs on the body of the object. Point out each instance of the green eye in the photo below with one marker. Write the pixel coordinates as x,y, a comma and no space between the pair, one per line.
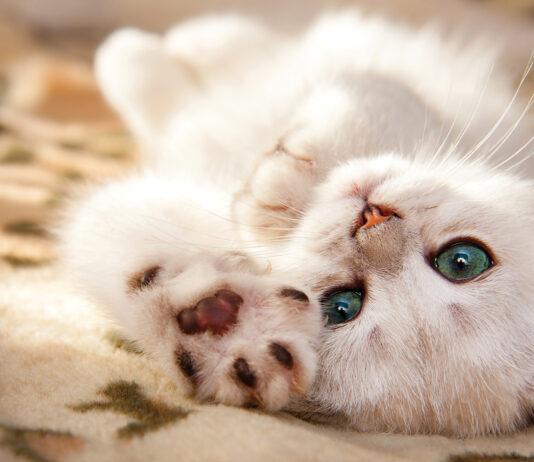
462,261
342,306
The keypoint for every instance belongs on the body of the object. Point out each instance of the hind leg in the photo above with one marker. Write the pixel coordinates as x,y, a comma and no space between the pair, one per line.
147,77
216,44
143,83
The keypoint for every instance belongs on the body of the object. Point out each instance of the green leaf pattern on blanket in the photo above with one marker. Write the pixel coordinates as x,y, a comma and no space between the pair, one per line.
25,228
127,398
40,445
474,457
119,342
24,262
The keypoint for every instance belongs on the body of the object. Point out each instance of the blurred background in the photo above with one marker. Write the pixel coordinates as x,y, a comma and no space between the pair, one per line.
56,131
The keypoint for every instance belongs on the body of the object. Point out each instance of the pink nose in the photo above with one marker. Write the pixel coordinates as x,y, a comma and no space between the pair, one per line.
373,215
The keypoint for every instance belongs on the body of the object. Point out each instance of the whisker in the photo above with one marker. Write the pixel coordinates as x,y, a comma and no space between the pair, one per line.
296,219
437,151
502,140
506,110
440,142
474,112
418,150
507,135
220,237
273,214
517,164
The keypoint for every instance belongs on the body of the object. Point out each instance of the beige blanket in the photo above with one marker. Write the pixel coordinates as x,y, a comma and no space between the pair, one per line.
70,389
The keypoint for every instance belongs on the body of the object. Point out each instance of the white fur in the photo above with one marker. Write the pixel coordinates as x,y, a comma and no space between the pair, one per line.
270,146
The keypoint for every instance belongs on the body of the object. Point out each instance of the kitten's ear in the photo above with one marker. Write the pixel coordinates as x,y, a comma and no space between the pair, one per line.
141,81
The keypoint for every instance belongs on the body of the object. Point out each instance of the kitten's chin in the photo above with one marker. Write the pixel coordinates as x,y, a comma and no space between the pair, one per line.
312,411
406,419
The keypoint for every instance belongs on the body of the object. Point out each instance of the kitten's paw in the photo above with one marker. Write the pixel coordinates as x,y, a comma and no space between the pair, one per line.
246,344
140,80
237,337
276,193
212,41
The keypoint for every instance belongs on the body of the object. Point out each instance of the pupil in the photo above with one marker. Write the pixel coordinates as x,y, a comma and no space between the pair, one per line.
342,309
342,306
461,260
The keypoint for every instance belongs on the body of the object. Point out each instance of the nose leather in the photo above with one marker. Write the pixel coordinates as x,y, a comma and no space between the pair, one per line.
382,248
373,215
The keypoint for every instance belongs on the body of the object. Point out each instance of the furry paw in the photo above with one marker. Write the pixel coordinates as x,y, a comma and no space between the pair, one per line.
275,194
237,338
141,81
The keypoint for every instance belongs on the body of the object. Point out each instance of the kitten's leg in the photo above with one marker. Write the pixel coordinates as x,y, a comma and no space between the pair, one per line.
142,82
219,43
280,187
166,269
147,77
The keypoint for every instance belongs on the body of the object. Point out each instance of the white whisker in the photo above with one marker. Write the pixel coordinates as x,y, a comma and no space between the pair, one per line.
488,135
438,149
510,131
517,164
418,150
474,112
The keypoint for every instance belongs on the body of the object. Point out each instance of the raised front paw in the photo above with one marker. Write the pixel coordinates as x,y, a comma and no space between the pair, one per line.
273,198
246,347
245,340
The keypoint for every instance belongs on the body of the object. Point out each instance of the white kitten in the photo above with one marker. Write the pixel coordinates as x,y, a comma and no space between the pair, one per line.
320,215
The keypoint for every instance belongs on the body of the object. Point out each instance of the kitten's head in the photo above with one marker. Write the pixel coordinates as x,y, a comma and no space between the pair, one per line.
426,281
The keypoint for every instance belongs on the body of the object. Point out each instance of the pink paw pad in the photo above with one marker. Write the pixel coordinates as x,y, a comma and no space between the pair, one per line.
214,314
